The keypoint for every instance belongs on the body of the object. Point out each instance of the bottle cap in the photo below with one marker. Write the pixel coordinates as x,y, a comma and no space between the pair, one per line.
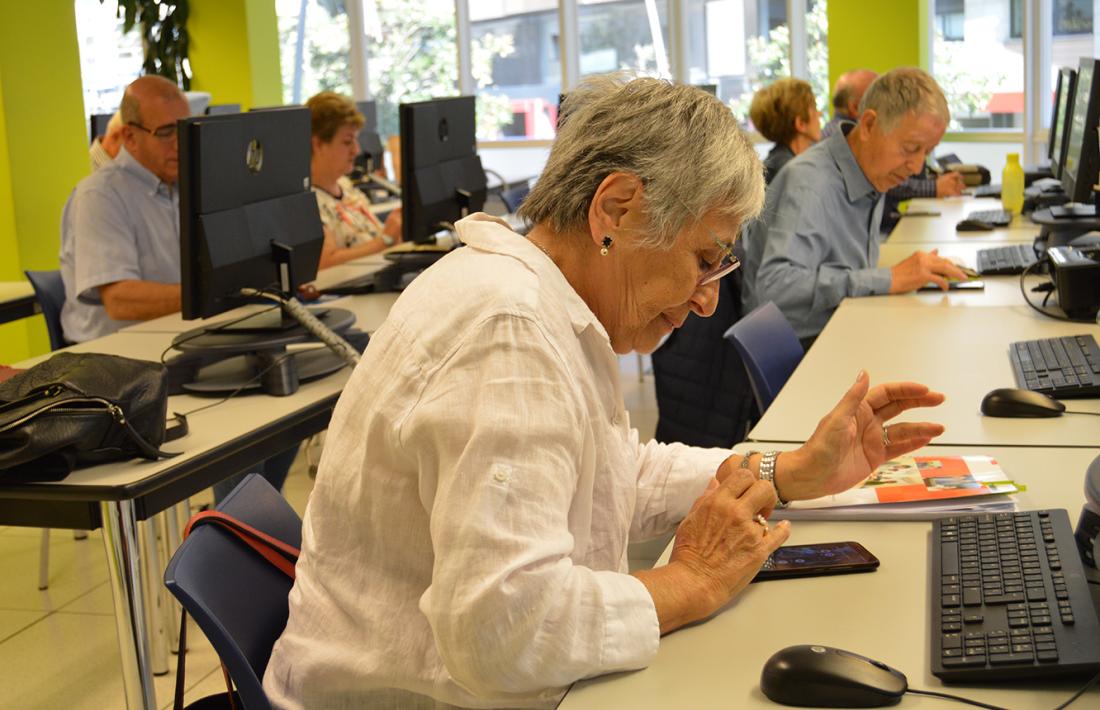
1013,157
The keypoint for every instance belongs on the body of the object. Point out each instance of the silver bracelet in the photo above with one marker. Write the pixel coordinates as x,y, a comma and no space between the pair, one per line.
767,473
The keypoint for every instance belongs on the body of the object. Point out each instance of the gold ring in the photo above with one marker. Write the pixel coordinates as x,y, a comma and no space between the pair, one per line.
885,436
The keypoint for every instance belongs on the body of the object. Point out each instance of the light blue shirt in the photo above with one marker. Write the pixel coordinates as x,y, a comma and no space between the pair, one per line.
817,240
120,223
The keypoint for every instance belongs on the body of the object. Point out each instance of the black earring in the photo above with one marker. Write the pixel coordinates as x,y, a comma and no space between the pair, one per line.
606,246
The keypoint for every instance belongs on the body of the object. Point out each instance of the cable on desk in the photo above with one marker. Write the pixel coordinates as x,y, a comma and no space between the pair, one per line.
956,698
1048,314
1080,692
234,393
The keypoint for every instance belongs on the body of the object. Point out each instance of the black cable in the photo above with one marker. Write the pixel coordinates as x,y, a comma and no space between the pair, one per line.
1070,411
1080,692
199,332
234,393
956,698
1023,292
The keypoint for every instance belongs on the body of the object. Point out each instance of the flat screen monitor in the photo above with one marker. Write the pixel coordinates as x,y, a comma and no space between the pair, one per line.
248,218
370,143
441,175
1059,119
97,122
1079,170
222,109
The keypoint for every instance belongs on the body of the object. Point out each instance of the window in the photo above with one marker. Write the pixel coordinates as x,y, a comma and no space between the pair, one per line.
313,48
109,59
1072,17
983,76
950,16
618,35
516,65
411,51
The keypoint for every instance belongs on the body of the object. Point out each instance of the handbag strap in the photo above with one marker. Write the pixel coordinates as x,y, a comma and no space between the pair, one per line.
281,556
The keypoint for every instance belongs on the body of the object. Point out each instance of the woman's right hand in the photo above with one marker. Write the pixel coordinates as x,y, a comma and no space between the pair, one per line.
719,548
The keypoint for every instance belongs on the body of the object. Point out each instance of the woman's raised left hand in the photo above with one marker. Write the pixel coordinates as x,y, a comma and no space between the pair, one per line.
849,442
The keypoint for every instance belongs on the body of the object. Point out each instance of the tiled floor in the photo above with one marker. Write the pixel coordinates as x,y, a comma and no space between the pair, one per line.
59,649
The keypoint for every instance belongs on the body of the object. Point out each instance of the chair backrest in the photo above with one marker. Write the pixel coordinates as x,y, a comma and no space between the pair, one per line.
237,598
49,290
769,348
513,197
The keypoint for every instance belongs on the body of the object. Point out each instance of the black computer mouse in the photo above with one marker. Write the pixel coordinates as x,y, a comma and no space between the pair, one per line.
1011,402
973,225
822,676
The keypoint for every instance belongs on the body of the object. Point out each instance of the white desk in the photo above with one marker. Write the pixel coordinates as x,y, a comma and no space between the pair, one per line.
16,300
883,615
929,230
962,352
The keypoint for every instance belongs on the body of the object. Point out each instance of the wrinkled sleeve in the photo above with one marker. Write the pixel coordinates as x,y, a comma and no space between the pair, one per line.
497,443
795,270
670,478
104,242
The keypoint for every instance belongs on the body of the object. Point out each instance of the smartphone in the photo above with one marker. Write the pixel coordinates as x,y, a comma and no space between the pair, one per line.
818,559
971,285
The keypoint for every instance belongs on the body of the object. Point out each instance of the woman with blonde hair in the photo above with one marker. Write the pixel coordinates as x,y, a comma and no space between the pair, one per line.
351,229
785,113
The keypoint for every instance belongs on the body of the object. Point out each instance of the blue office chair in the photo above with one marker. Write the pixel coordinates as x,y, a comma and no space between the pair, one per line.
49,290
237,598
769,348
514,196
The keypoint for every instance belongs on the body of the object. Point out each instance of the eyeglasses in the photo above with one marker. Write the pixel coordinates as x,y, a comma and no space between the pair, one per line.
725,266
166,132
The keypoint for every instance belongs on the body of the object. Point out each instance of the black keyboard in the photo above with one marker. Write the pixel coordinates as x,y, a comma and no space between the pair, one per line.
1010,599
1063,367
987,191
1010,259
998,218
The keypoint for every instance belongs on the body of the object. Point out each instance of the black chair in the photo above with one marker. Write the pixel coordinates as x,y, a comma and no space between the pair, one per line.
513,197
49,290
237,598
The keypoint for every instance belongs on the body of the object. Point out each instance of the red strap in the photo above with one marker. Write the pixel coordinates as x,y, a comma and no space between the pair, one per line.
275,551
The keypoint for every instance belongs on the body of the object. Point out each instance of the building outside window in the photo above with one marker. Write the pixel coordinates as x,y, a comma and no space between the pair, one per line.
616,34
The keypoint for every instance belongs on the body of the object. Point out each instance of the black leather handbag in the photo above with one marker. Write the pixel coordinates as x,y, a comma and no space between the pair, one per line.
81,409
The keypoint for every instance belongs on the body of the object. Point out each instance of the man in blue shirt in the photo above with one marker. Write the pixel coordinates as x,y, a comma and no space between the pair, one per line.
120,248
817,241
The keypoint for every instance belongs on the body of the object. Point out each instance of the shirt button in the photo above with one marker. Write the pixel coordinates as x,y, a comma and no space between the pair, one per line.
500,473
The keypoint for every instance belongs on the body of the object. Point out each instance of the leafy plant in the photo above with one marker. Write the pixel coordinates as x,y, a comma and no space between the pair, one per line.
164,36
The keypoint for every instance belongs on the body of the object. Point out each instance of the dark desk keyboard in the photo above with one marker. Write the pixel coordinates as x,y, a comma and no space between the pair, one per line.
1006,260
1064,367
998,218
1010,599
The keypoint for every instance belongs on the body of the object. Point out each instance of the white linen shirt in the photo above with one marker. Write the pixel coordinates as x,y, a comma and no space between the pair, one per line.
467,536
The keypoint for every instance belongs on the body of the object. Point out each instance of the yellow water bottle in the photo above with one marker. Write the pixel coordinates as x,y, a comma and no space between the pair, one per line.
1012,185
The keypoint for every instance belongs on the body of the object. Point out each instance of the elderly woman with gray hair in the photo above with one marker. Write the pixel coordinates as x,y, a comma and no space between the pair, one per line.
466,541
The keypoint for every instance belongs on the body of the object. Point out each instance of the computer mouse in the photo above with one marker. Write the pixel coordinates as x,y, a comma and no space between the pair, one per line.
1011,402
973,225
822,676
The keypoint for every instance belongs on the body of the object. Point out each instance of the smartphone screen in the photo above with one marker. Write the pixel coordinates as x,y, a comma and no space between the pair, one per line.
817,559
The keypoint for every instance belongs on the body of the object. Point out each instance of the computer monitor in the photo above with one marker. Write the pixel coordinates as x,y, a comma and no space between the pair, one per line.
97,122
248,218
441,175
370,156
1079,170
1059,120
222,109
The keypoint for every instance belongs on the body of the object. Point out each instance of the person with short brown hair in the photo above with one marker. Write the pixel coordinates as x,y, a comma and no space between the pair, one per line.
351,229
785,113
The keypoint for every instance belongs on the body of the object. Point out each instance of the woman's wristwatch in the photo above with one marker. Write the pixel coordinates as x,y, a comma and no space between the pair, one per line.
767,471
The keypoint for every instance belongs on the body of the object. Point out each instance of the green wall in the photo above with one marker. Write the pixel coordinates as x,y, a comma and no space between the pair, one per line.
43,147
235,51
876,34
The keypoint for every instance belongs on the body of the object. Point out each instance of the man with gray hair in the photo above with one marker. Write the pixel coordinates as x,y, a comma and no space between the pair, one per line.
848,92
120,249
817,241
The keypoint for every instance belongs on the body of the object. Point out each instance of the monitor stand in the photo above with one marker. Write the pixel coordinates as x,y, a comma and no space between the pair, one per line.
220,360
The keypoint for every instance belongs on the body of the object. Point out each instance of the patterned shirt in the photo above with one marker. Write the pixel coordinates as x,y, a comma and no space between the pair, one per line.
347,217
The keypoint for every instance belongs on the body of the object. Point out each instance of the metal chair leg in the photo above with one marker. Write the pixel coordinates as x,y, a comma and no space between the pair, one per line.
44,560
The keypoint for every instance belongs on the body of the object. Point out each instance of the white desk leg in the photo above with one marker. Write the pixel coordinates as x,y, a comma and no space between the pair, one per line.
120,540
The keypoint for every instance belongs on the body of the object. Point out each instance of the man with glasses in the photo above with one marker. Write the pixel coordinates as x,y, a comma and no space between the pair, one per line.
120,228
817,241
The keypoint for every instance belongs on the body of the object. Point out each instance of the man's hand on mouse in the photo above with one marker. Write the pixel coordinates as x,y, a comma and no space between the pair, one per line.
920,268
